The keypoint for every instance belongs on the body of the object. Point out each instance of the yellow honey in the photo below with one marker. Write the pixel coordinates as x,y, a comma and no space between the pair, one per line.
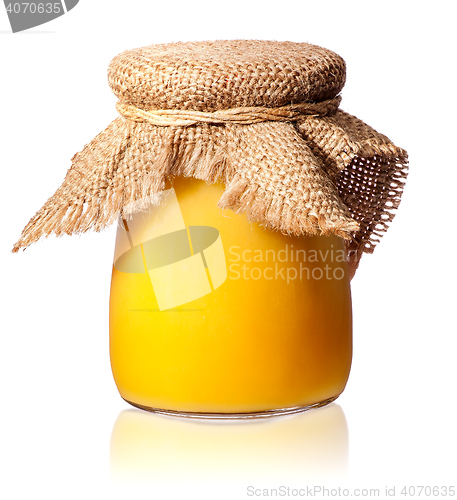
262,321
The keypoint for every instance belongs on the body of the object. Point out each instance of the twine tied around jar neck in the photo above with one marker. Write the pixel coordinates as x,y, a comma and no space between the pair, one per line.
237,116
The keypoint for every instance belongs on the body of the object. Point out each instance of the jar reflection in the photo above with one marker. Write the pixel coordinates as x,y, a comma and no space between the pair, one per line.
153,447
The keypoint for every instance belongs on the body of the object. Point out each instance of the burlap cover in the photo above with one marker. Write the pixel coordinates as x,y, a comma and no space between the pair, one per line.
261,117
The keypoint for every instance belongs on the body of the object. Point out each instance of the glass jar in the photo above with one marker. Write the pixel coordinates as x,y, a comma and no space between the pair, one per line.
214,316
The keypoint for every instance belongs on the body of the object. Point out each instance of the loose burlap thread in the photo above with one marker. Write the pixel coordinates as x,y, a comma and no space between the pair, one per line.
261,117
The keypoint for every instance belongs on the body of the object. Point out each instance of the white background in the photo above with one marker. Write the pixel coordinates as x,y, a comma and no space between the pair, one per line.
394,425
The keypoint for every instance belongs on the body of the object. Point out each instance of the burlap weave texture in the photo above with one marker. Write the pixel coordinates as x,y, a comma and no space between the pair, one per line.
261,117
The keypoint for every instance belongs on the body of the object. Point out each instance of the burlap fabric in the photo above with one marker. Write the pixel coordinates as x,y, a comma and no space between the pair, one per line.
261,117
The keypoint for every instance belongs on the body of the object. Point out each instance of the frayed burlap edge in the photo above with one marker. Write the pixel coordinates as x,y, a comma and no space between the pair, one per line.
322,175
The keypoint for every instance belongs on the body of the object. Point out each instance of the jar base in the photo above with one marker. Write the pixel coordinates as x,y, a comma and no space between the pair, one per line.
233,416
